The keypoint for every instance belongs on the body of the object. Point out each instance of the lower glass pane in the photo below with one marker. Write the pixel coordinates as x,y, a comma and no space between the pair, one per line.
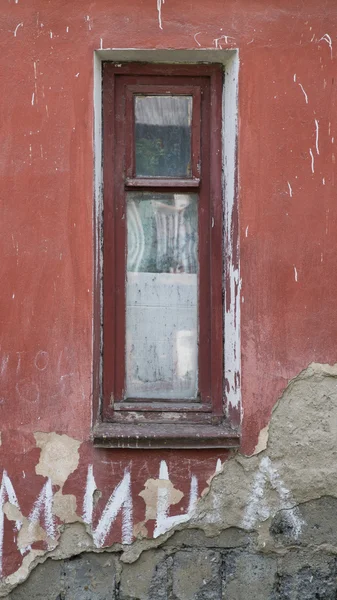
162,296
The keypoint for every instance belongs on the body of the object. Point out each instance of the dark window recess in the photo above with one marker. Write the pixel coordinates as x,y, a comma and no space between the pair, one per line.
162,369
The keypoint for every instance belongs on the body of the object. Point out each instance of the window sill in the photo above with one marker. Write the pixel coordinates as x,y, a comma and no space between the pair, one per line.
159,435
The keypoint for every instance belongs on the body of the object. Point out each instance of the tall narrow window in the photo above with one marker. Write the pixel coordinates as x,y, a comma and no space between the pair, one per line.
162,371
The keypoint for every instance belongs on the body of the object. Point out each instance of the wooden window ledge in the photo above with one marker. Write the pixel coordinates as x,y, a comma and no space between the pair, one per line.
158,435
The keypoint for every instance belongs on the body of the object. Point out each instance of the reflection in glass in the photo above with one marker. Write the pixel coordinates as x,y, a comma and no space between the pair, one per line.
163,136
162,296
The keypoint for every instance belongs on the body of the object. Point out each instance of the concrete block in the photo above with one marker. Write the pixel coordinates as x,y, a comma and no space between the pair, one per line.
197,575
146,578
248,575
309,576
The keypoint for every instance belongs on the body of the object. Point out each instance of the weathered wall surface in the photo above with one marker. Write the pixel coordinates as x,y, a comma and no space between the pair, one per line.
266,527
53,480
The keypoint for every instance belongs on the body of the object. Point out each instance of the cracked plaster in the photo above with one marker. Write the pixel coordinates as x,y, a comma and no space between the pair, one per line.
301,449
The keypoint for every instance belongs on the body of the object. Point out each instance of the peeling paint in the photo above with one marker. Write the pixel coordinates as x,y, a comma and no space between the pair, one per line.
155,488
59,456
262,441
232,311
65,507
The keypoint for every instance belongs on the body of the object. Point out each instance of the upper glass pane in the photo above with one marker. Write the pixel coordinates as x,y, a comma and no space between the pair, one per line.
163,136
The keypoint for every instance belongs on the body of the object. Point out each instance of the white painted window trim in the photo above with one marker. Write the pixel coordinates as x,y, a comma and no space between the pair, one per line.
230,61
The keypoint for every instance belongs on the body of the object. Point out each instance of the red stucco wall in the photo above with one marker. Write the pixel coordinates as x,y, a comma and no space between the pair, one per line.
287,208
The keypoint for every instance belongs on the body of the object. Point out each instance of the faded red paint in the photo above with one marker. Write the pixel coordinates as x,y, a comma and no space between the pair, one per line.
287,244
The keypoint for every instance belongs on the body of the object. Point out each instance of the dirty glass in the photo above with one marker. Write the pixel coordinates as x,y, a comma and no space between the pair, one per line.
163,136
162,296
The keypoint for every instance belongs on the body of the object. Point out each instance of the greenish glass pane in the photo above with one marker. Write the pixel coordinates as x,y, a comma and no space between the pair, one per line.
163,136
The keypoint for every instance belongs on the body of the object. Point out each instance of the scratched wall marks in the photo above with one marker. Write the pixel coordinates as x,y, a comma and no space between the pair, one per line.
159,8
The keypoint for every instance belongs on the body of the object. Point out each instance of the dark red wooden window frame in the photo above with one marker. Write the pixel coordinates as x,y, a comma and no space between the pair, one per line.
140,423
